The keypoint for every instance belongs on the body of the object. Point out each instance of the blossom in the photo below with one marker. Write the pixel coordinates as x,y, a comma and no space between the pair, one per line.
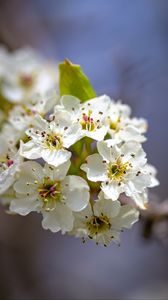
141,199
22,115
48,190
104,220
90,116
26,75
44,102
49,141
101,136
119,168
11,135
122,127
10,161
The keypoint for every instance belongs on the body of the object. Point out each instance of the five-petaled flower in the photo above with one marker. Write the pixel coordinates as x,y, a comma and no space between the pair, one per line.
104,220
26,75
48,190
50,140
90,116
120,168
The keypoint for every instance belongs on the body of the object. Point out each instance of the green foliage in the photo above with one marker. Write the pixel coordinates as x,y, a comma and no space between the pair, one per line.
72,81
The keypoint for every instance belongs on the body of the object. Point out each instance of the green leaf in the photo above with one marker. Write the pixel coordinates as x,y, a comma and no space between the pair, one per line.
73,81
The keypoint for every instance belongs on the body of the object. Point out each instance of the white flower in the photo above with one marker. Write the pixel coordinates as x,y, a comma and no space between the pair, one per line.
150,169
45,101
90,116
48,190
22,115
11,135
141,199
10,161
49,141
27,75
104,221
140,123
122,127
119,168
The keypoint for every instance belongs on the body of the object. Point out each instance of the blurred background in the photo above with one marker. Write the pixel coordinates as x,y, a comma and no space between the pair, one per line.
122,45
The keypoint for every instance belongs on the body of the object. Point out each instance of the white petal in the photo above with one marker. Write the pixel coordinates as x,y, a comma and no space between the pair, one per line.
22,187
70,102
31,169
121,108
154,182
76,191
126,218
142,181
30,150
107,207
98,104
97,134
40,123
58,173
72,135
108,149
5,181
60,218
131,133
141,124
13,94
24,206
63,118
111,190
152,171
141,199
55,157
95,168
45,81
134,153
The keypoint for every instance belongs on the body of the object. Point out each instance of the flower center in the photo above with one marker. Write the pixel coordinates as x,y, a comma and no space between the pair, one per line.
87,121
28,111
26,81
117,170
114,125
98,224
50,193
53,141
5,162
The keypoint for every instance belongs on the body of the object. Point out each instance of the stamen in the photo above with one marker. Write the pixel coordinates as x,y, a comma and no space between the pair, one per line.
50,193
98,224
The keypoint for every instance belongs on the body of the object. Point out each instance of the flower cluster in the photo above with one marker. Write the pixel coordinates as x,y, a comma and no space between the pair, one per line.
91,176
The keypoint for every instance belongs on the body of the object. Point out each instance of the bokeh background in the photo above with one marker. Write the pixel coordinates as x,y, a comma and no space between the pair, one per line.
122,45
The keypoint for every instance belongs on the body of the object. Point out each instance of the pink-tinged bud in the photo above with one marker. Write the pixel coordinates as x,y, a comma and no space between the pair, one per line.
9,162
